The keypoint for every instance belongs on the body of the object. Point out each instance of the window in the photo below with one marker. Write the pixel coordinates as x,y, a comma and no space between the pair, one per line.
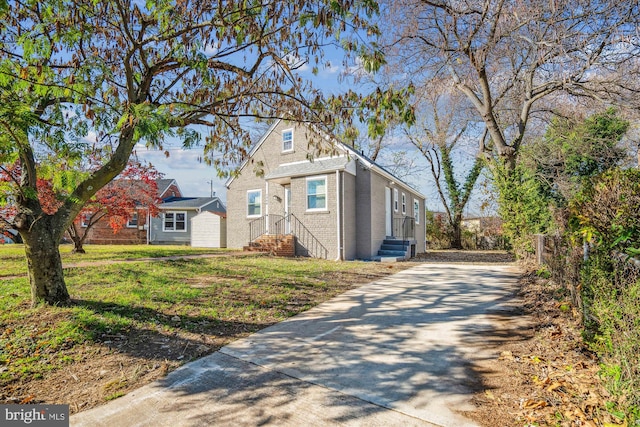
254,203
133,221
395,199
85,220
317,193
416,211
404,204
175,221
287,140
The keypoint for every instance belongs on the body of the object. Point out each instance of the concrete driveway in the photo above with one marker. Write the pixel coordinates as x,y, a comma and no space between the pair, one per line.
399,351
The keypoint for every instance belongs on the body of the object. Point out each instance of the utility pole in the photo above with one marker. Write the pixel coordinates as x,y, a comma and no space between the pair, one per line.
211,183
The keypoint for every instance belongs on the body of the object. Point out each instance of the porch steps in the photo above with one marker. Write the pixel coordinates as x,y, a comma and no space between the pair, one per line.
393,250
278,245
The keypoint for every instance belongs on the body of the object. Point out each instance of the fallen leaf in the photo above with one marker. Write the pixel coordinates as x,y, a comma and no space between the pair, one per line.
489,394
506,355
534,404
555,386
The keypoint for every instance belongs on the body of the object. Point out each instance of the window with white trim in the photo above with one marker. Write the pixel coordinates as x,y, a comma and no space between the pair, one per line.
174,221
85,220
317,193
404,204
287,140
416,211
254,203
395,199
132,222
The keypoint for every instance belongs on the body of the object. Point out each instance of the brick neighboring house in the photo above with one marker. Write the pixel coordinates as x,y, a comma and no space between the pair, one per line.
341,206
135,232
177,215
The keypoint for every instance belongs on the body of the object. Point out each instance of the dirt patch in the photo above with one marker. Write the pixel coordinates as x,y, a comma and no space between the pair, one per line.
543,374
467,257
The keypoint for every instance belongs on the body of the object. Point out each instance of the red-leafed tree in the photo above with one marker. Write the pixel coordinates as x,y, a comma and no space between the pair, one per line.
134,190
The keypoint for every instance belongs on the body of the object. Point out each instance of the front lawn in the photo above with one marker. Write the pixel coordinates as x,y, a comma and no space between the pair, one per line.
13,262
133,322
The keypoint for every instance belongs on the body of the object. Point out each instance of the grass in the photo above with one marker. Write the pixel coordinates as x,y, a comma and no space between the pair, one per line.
147,301
13,263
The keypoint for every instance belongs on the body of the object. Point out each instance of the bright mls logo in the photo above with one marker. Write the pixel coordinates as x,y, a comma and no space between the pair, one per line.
34,415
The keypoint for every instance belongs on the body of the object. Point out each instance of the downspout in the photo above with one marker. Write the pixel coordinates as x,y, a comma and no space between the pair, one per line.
338,217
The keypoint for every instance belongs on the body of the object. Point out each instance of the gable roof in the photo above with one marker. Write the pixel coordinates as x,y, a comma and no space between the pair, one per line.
199,204
349,151
163,186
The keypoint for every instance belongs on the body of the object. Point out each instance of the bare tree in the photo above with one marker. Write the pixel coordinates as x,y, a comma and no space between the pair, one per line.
506,56
440,137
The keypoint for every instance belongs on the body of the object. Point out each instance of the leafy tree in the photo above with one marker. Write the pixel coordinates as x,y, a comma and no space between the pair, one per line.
140,72
553,169
573,151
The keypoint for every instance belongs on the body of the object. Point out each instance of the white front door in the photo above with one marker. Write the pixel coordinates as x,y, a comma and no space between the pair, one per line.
287,208
387,211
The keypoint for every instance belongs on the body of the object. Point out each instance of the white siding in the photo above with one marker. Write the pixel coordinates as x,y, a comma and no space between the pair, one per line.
208,230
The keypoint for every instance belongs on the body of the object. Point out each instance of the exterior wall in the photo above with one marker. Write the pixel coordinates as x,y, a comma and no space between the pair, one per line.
349,216
207,231
322,224
378,224
102,234
362,230
371,213
159,237
267,158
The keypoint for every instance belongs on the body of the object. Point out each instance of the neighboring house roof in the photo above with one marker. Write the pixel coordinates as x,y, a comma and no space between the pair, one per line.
163,186
324,165
199,204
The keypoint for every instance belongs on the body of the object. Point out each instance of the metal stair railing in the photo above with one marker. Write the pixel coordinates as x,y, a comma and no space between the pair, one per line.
290,224
404,228
264,225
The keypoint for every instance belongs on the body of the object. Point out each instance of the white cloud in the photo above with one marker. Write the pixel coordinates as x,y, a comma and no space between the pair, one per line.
193,176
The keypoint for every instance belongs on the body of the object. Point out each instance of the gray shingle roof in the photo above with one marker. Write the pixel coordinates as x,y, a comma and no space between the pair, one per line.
163,185
308,168
211,204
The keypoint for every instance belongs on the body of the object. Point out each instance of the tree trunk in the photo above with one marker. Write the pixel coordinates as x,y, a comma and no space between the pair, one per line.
42,247
77,247
456,232
77,238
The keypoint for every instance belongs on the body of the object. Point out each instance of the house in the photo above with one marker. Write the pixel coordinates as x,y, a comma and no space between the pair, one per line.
135,232
338,206
179,220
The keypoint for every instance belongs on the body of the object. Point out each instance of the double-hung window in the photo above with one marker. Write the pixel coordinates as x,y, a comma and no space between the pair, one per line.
287,140
395,199
254,203
404,204
132,222
175,221
317,193
416,211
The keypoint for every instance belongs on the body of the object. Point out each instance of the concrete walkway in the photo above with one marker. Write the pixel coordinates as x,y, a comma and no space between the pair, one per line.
399,351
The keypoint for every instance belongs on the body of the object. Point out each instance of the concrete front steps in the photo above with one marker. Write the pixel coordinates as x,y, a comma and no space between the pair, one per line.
393,250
